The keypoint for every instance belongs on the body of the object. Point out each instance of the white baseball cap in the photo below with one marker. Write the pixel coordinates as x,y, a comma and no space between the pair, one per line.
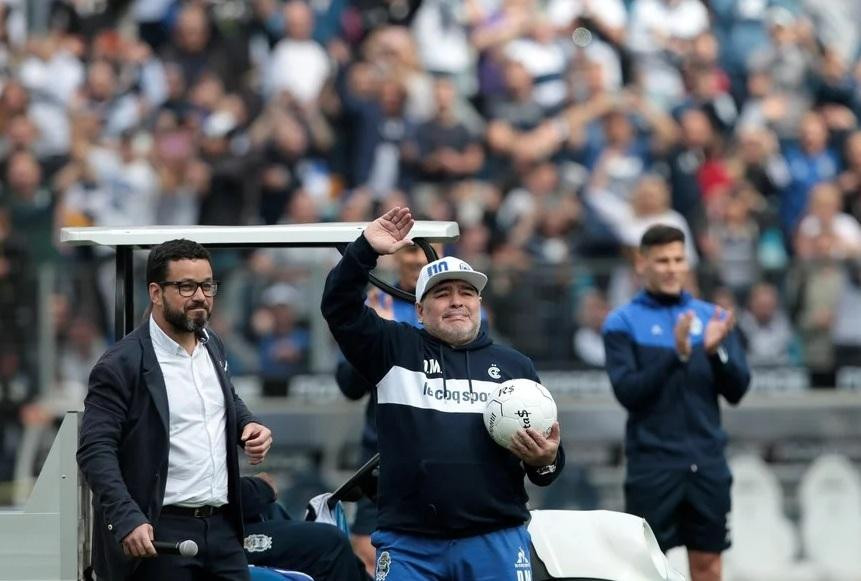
448,268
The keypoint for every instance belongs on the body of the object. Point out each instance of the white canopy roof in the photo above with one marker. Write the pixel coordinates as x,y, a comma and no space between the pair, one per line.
277,235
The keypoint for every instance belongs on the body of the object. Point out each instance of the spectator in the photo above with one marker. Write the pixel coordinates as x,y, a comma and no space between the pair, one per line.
786,55
649,205
31,205
545,57
197,51
606,19
298,64
385,129
834,84
150,16
759,162
660,32
837,23
766,329
825,218
80,349
628,150
443,42
815,287
710,93
16,279
282,155
846,332
735,235
229,192
850,180
686,160
100,96
810,162
394,52
767,108
447,151
588,342
16,389
282,343
512,115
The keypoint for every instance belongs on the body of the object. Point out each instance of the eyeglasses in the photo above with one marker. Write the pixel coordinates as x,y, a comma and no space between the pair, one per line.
187,288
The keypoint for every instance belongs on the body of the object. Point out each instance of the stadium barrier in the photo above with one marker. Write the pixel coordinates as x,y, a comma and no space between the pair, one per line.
48,539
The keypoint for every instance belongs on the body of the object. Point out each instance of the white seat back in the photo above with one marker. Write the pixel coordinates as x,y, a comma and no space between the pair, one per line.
830,500
598,544
763,539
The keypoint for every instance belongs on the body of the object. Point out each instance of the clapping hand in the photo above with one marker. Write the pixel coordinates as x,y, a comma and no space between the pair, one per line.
717,329
682,332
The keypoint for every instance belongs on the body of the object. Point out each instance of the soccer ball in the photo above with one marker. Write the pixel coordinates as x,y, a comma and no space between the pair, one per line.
519,403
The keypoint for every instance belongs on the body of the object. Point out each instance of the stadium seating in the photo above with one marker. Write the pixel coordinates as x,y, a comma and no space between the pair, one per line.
830,500
764,542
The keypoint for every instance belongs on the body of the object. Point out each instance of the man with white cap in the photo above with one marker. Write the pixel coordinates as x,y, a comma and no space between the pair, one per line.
451,503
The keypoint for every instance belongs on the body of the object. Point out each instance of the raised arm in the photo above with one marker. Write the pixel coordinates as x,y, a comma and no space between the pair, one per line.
726,356
359,331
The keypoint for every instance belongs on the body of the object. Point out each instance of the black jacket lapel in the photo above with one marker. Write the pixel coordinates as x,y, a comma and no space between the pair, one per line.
154,378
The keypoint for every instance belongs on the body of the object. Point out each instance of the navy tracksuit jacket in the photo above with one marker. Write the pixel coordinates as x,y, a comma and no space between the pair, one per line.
440,472
674,417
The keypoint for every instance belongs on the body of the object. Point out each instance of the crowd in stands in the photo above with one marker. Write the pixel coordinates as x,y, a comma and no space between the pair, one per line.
553,131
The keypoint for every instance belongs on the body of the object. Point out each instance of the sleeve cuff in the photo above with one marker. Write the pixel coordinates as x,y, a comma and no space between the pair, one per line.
544,470
364,252
720,356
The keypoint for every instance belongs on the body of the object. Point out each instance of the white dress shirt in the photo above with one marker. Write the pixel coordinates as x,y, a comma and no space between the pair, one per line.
197,461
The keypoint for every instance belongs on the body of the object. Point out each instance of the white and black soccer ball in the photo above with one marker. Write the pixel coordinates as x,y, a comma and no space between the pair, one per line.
519,403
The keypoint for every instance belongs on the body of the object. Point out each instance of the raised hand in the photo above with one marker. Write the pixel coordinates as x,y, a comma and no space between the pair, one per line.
717,329
388,233
682,332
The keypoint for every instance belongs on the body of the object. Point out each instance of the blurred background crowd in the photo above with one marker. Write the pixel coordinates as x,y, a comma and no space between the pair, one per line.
553,131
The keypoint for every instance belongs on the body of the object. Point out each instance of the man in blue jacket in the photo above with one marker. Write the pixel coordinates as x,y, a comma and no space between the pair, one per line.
669,357
451,503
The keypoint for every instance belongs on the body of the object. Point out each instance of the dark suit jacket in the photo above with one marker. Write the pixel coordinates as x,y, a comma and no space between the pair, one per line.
123,447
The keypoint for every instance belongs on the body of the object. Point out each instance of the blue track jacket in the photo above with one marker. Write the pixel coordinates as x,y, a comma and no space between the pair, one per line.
440,472
673,412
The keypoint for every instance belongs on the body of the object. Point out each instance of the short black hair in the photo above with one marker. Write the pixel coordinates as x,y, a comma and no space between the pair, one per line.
162,255
660,235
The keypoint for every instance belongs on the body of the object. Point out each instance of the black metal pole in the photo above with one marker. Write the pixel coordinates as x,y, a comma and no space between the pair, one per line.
124,307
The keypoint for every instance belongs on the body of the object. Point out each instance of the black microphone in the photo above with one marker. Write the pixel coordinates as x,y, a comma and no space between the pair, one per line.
183,548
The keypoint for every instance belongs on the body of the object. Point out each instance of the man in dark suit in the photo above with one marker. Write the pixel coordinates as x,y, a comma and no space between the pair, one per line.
159,434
